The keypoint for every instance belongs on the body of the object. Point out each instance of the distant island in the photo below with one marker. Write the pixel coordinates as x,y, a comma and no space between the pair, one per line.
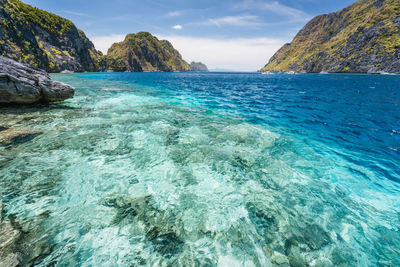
144,52
362,38
198,67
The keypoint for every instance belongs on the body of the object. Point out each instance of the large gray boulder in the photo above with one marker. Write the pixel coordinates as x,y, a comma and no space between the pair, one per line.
23,84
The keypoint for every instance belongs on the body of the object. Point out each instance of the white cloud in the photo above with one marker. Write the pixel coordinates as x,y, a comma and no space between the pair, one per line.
177,27
240,54
102,43
235,21
274,7
174,14
74,13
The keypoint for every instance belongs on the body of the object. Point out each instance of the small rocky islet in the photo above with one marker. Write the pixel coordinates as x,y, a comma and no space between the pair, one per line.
198,67
144,52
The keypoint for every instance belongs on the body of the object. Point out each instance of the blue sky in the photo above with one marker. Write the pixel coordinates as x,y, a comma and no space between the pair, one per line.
232,34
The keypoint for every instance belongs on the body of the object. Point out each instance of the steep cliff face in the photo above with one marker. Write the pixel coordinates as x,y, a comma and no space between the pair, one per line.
144,52
198,66
44,40
364,37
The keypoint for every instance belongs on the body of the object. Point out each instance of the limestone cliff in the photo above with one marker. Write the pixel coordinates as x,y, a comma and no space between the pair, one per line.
144,52
198,67
364,37
45,40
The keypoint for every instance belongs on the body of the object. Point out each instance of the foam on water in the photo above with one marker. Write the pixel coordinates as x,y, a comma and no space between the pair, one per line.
124,174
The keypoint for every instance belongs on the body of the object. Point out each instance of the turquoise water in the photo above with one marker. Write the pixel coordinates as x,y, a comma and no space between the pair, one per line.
217,169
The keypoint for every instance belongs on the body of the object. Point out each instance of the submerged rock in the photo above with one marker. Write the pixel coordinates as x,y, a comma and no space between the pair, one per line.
22,84
16,136
8,239
161,228
22,241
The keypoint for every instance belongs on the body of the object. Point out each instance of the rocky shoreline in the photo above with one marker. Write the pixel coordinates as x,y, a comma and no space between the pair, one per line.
23,84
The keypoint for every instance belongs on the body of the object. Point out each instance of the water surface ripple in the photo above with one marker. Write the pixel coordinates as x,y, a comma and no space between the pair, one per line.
217,169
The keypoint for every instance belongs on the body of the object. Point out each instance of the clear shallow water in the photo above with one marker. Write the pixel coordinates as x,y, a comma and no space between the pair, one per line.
209,169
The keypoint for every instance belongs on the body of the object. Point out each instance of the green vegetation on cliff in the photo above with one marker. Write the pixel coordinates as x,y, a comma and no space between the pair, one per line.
45,40
144,52
364,37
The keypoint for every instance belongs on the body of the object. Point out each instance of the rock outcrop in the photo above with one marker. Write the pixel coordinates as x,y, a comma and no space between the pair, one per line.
198,67
362,38
16,136
22,84
20,245
144,52
45,40
8,239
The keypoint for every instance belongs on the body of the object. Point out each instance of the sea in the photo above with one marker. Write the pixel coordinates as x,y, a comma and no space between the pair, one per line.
207,169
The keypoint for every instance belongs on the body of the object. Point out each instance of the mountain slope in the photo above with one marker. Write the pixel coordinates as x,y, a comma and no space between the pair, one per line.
44,40
198,67
144,52
364,37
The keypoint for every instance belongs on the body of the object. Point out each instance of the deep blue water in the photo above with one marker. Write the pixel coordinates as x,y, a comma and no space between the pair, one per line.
353,116
205,169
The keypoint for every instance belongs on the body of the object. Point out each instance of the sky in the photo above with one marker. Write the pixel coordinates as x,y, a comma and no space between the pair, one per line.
239,35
